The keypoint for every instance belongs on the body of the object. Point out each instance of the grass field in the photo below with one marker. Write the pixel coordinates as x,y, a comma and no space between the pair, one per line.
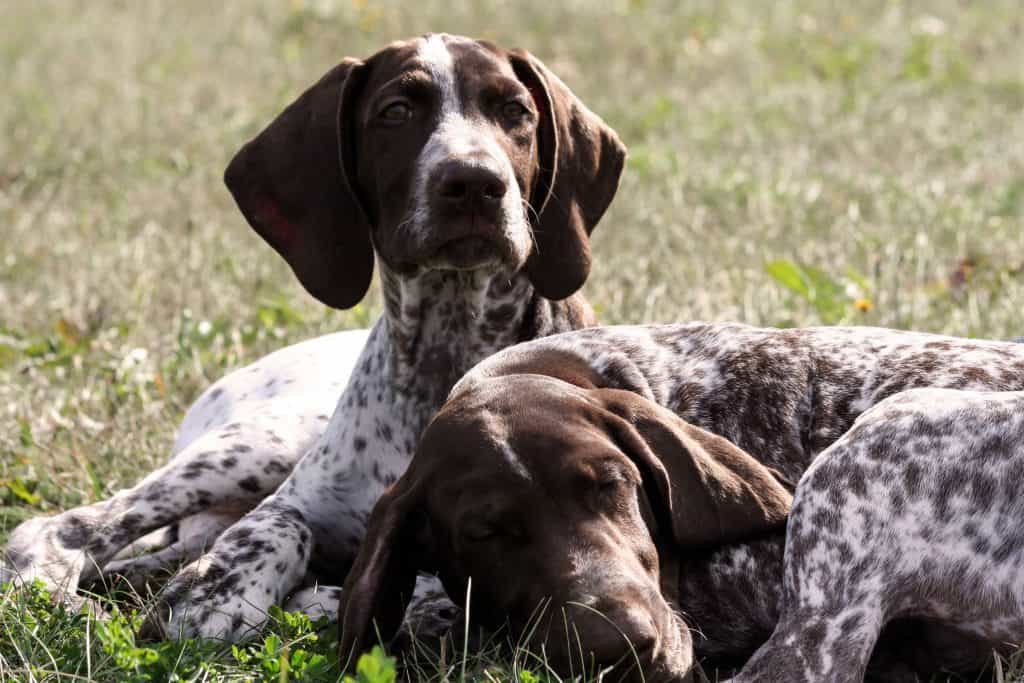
793,162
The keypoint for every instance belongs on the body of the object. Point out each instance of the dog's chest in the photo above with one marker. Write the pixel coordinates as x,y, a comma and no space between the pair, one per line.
373,434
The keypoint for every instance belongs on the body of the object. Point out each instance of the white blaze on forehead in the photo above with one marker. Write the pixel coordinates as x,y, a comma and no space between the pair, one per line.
513,461
434,55
498,437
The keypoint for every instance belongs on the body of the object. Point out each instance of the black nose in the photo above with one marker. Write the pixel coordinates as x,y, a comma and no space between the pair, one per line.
470,187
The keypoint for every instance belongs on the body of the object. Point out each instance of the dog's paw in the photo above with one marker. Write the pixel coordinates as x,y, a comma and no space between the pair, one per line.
48,549
316,602
210,599
138,572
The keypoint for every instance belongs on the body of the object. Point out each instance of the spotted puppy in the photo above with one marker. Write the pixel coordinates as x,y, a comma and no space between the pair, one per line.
585,473
915,512
473,176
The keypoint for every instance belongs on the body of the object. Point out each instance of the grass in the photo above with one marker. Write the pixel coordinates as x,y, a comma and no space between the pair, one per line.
794,162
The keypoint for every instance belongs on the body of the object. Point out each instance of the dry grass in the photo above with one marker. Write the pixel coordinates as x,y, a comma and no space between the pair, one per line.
882,143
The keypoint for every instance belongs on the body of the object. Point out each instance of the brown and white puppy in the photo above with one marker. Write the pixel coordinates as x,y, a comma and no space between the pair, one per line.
561,472
472,177
554,498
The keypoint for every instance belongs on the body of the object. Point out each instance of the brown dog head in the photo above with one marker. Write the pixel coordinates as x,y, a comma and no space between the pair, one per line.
438,152
567,505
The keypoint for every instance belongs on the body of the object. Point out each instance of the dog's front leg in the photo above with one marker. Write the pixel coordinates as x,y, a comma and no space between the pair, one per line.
227,592
66,548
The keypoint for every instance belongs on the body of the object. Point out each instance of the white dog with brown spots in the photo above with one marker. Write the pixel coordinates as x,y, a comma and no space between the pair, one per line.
474,177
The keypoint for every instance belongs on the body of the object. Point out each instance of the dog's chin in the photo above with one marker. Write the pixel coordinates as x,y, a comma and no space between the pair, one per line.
475,253
675,659
467,253
672,662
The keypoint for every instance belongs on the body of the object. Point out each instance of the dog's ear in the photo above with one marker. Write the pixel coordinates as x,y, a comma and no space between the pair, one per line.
293,184
709,491
380,583
580,160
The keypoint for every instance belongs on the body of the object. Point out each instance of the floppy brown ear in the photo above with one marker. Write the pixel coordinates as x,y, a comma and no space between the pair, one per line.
580,159
292,185
380,583
713,491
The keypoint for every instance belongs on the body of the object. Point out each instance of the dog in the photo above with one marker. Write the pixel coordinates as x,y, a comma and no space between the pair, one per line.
636,472
473,177
915,512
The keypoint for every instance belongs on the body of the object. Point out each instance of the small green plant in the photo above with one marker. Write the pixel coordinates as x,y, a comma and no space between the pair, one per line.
374,667
836,301
77,642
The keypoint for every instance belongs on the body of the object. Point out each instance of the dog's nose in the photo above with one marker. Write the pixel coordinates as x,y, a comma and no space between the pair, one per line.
470,186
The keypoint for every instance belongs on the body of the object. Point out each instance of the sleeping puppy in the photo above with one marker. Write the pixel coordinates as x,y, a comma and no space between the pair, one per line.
573,473
545,493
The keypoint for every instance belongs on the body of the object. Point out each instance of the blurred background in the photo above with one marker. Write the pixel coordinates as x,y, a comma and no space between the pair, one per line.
793,162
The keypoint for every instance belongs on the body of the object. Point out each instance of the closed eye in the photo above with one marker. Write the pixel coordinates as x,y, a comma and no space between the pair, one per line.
615,490
481,534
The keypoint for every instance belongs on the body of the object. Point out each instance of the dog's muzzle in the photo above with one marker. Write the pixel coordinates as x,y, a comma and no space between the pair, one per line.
467,201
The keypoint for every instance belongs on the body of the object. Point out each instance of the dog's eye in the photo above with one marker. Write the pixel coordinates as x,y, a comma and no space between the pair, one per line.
398,112
513,110
481,532
609,486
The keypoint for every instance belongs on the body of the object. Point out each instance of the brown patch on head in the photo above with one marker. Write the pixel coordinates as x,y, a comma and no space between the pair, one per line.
558,364
533,500
486,84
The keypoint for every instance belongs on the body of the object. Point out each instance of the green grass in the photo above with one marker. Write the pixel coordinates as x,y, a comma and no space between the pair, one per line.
793,162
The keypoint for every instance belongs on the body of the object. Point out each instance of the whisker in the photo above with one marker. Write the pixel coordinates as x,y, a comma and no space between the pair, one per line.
530,223
632,649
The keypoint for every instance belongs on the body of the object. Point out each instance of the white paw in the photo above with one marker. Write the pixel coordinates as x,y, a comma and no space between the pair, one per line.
315,602
210,599
139,571
50,549
430,614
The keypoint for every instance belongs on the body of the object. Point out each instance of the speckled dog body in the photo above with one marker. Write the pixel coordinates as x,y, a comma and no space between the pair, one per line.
915,512
473,177
783,396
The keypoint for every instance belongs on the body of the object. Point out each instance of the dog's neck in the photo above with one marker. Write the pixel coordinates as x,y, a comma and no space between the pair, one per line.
435,326
439,323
